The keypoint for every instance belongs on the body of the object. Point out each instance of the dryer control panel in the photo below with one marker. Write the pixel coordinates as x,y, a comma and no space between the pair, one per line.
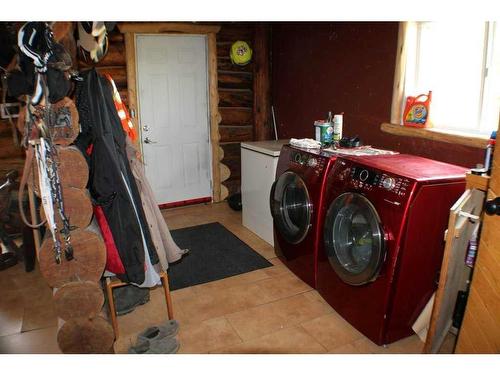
367,179
306,160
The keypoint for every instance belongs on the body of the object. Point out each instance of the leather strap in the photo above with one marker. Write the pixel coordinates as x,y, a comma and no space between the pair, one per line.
30,152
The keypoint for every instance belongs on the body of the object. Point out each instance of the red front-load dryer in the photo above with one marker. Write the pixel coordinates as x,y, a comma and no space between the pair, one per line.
295,198
383,220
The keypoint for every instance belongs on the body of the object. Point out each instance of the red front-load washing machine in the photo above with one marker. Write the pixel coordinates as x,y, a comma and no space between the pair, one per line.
379,257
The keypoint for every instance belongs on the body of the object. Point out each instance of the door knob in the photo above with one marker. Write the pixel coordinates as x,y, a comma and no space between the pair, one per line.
146,128
492,207
149,141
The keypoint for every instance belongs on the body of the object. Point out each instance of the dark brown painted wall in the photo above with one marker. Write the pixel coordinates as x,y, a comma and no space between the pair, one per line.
345,67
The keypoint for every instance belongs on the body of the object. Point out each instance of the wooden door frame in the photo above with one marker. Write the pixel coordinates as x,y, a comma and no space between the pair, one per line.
130,29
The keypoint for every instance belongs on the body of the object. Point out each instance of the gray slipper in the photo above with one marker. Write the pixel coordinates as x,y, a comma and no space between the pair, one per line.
128,297
169,329
166,345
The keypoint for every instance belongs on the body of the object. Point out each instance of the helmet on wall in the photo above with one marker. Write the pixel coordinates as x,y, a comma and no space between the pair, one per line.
240,53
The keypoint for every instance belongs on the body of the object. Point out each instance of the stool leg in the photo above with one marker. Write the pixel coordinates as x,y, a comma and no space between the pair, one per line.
111,303
166,289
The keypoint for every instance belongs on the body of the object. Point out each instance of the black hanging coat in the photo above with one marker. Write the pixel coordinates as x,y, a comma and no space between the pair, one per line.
110,174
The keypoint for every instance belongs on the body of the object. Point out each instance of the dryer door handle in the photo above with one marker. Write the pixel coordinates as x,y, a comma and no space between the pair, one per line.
271,198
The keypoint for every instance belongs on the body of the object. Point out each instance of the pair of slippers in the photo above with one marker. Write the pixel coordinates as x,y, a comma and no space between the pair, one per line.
157,340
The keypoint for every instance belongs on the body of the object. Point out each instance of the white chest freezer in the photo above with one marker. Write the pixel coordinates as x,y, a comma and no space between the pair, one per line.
258,171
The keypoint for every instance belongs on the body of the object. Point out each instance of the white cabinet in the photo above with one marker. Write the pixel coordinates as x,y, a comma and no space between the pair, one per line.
258,171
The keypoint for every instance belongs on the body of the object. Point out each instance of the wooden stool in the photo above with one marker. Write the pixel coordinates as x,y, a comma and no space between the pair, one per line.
115,283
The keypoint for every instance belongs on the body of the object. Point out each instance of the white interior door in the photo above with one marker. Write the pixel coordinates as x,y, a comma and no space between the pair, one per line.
174,115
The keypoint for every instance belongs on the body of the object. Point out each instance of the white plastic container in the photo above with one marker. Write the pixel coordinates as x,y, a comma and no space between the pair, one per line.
337,127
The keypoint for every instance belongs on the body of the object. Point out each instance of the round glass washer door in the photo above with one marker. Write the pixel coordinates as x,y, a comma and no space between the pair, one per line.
353,238
291,207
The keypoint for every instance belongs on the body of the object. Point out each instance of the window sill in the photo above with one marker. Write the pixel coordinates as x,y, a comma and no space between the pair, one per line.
476,141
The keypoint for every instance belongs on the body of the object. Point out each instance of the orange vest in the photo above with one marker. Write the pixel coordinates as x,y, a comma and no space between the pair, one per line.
127,124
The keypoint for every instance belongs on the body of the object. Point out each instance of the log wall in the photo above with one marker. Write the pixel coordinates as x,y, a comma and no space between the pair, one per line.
236,104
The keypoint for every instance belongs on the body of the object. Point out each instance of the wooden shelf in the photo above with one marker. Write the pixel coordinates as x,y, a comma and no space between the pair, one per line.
436,135
474,181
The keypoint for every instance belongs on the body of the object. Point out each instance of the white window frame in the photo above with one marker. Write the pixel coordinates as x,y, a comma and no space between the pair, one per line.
405,56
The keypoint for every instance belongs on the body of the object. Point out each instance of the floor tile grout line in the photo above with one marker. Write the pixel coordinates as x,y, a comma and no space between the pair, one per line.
23,332
316,317
311,336
196,291
322,316
220,347
273,333
258,305
234,329
39,328
244,283
252,307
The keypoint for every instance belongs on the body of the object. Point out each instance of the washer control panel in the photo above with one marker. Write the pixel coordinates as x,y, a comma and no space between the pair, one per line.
367,179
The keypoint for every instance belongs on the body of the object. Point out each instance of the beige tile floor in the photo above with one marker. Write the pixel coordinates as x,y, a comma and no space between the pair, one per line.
264,311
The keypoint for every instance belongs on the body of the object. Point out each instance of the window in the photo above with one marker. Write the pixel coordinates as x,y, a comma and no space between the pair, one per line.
460,63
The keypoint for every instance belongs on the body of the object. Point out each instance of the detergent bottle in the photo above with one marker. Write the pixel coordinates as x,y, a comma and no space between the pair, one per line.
488,160
416,111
